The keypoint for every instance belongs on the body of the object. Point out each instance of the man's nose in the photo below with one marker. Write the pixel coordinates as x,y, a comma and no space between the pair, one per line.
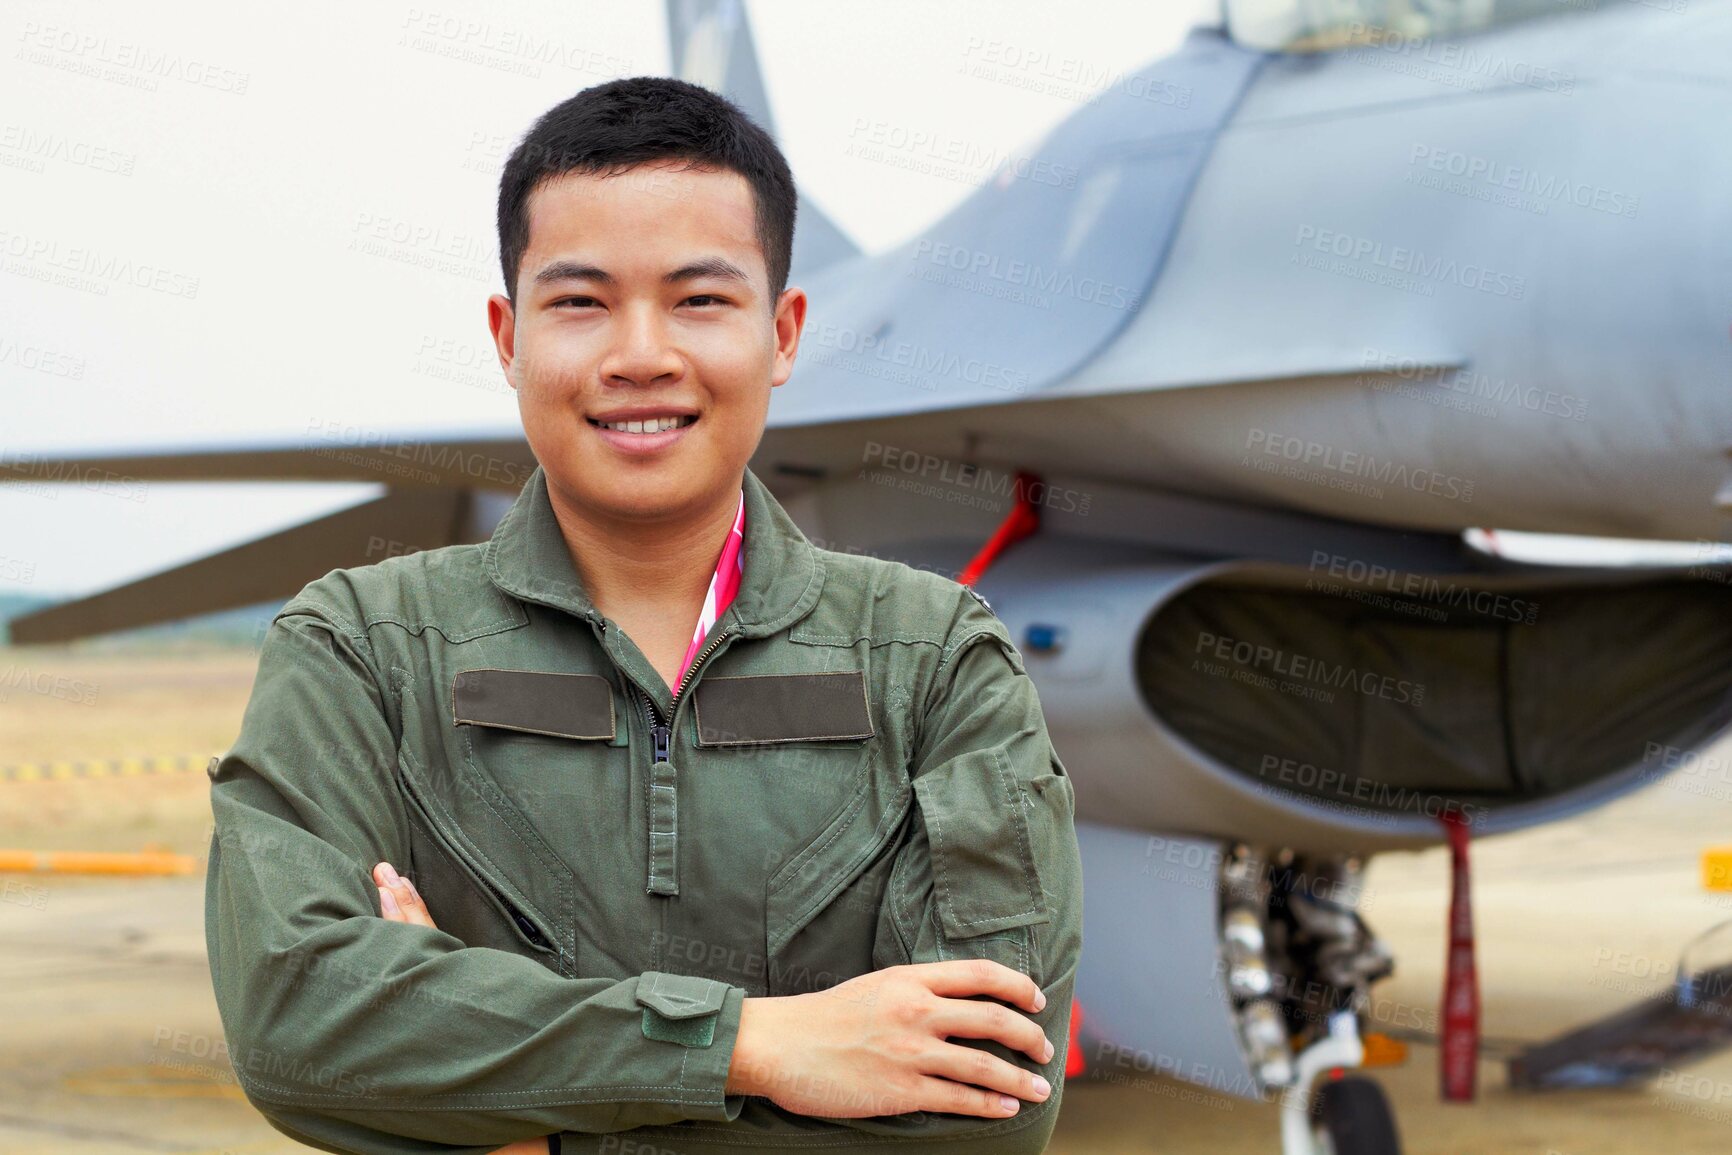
640,348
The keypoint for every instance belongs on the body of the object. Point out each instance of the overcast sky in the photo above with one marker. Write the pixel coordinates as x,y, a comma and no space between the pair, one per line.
256,175
327,125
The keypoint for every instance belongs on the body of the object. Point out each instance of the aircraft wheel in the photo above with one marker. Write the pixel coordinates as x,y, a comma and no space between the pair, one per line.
1354,1118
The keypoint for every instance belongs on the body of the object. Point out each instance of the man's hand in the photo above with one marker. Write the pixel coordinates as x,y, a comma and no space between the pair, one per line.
876,1044
401,902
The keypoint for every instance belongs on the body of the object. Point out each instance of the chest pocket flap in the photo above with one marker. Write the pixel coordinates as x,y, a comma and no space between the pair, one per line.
534,702
754,709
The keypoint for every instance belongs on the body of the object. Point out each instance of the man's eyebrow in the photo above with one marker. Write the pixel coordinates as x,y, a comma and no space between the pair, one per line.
707,267
580,271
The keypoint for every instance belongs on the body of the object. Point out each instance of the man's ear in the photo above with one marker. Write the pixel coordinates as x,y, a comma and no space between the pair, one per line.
790,320
502,323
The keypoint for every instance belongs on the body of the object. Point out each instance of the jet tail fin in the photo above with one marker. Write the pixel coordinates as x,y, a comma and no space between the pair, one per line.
710,43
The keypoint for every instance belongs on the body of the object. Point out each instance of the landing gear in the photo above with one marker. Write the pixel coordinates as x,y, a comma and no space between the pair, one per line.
1354,1118
1300,962
1326,1115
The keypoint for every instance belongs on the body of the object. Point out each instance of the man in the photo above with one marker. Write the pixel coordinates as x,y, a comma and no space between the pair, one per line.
715,846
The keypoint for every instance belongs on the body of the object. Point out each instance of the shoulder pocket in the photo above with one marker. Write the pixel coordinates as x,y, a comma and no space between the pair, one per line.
983,868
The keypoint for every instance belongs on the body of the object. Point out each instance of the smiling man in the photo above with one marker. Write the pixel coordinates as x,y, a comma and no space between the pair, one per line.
645,825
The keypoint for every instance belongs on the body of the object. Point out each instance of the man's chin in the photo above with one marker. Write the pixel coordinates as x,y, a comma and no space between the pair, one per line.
644,498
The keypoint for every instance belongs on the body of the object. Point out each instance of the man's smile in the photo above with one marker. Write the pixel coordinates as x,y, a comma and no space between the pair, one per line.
644,429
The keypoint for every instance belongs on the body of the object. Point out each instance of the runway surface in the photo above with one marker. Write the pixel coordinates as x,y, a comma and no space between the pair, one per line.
110,1031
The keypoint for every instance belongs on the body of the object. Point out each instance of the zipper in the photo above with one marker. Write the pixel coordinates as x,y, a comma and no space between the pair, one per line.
661,731
696,662
525,925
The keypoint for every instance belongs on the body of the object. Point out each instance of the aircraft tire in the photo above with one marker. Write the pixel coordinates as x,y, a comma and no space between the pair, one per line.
1354,1118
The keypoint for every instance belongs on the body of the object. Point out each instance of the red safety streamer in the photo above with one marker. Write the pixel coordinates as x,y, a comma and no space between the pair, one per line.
1022,520
1073,1056
1460,1059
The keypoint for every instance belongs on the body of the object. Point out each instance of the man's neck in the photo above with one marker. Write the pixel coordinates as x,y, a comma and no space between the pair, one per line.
630,568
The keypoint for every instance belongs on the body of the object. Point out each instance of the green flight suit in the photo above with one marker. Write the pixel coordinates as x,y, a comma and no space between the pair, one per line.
857,775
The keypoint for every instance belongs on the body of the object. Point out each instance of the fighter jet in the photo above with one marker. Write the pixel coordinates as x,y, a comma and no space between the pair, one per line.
1207,393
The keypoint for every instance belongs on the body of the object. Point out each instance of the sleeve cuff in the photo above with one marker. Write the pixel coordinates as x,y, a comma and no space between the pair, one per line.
704,1016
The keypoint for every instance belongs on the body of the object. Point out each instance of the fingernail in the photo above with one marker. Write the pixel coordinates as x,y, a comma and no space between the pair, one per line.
1039,1000
1008,1103
391,878
1049,1050
1042,1087
387,902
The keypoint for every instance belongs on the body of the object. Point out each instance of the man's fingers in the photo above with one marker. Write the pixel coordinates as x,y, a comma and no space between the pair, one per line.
939,1094
973,1019
398,898
980,1068
959,978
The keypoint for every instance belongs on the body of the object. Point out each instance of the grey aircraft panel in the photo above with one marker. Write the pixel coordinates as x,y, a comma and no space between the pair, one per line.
1155,1005
1592,402
1083,222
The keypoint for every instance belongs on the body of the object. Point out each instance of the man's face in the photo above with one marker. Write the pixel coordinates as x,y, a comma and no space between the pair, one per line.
644,296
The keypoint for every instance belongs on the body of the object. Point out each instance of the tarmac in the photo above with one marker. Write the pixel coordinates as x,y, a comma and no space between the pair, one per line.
112,1043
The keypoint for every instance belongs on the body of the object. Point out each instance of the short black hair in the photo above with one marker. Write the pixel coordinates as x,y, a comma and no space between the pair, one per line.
614,126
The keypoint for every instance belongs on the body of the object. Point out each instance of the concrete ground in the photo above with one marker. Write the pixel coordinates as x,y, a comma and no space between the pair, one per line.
108,1031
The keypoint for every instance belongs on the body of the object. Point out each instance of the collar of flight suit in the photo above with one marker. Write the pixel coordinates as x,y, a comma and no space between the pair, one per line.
527,557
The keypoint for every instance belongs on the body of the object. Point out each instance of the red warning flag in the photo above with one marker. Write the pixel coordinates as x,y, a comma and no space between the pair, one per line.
1460,1059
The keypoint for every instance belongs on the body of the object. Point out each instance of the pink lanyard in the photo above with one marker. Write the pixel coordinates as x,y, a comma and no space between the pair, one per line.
724,583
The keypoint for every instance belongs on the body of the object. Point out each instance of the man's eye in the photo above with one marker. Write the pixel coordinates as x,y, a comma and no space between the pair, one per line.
574,300
706,297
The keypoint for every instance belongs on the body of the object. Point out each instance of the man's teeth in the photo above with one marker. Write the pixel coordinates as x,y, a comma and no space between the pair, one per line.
652,425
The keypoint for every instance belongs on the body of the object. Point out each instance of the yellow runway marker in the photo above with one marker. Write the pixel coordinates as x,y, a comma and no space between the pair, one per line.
167,1080
102,768
96,862
1717,868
